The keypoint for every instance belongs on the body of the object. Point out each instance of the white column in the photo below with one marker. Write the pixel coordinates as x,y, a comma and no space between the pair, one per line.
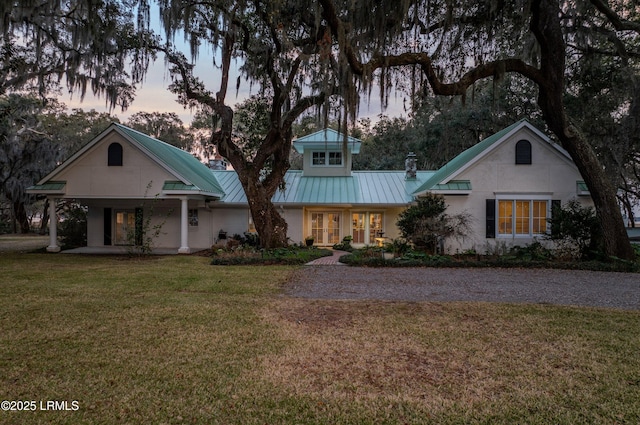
53,227
184,227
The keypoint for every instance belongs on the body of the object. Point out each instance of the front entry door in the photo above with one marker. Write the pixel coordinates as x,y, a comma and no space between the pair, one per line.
125,227
325,227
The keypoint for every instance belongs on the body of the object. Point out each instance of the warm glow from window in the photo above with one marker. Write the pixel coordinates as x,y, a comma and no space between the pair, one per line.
357,228
522,217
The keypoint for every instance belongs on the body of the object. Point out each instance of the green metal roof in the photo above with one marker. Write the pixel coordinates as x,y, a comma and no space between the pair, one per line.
582,188
463,158
361,188
183,163
328,139
176,185
461,185
53,186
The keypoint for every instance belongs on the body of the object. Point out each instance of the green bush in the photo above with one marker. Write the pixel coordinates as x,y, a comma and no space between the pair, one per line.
533,252
530,256
426,225
575,230
292,255
73,226
345,245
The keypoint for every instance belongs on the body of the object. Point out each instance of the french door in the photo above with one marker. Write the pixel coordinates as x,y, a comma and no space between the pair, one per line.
366,227
325,227
128,227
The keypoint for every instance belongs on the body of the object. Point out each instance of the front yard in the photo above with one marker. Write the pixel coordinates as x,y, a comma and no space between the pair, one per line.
176,340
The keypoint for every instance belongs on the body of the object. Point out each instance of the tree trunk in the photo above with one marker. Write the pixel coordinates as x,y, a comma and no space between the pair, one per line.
45,217
545,24
615,240
270,225
20,213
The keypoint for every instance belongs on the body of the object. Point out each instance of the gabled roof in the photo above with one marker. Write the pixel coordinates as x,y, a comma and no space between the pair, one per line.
327,139
191,174
446,175
194,174
381,188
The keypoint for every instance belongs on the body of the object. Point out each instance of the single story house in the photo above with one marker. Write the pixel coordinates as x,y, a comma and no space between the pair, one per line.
507,183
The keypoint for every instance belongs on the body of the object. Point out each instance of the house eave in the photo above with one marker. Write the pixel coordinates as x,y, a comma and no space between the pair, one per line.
452,192
202,193
48,188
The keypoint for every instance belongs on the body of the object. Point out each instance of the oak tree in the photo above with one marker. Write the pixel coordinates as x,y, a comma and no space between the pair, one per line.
445,47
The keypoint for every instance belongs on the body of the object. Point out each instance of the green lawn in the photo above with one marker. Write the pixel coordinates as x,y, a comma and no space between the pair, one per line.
175,340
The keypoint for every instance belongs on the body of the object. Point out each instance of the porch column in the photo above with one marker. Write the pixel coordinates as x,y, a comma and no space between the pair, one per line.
53,227
184,227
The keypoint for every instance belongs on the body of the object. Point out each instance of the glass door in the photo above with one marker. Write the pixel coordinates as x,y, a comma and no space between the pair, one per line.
325,228
317,228
333,228
125,227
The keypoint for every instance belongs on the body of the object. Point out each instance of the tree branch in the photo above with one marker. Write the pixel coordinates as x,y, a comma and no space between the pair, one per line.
618,23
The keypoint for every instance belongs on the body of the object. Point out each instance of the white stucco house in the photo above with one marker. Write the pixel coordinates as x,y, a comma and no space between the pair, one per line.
507,183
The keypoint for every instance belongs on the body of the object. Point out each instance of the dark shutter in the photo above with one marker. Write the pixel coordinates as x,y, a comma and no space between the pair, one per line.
139,226
523,152
107,227
491,218
556,206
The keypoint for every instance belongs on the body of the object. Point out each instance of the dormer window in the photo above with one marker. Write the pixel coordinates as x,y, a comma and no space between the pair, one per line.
319,158
335,158
523,152
114,155
326,158
325,153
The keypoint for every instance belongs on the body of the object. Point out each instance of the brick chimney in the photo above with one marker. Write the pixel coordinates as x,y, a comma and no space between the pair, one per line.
410,166
217,163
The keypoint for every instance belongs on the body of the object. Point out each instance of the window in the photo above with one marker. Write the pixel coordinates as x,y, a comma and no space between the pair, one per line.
114,155
365,227
523,152
375,226
522,217
335,158
326,158
319,158
193,217
357,227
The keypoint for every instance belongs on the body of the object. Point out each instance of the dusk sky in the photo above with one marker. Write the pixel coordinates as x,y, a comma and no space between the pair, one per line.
153,96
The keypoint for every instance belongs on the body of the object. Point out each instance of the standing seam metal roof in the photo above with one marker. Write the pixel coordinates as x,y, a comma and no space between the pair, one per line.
361,188
463,158
180,161
329,139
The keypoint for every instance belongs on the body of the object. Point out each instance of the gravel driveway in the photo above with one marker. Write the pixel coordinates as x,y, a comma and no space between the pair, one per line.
538,286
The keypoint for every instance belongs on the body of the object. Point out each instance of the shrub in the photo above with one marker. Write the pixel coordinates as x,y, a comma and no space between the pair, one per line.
575,230
288,256
73,225
426,225
345,245
398,247
533,252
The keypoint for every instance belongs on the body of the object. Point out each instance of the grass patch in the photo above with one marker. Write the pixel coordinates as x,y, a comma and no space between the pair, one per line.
174,340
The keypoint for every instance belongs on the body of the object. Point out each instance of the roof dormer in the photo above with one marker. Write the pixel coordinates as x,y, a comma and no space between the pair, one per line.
325,154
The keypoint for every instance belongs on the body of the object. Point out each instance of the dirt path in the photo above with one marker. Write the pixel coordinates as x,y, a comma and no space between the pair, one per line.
538,286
